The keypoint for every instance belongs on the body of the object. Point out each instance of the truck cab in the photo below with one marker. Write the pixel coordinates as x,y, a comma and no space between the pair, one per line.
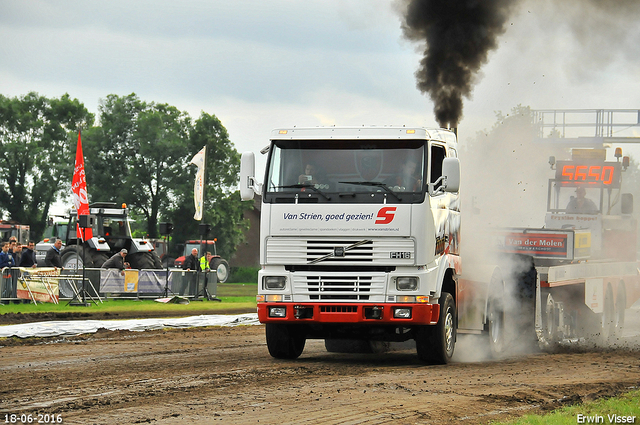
359,237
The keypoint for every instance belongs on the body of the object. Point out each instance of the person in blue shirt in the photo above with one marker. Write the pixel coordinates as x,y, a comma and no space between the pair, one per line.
6,259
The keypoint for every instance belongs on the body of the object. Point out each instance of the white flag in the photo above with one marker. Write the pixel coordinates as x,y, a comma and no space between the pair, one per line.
198,187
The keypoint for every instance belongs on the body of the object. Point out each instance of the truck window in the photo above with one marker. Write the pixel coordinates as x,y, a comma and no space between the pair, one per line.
437,156
353,169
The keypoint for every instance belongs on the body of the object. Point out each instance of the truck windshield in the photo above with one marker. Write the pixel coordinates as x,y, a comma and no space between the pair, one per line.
346,171
575,199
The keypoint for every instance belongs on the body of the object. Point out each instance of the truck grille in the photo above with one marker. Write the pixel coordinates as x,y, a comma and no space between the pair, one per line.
338,287
326,252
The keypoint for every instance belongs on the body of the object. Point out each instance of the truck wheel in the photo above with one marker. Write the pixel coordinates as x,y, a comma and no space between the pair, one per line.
435,344
621,305
608,317
550,319
496,327
222,269
284,341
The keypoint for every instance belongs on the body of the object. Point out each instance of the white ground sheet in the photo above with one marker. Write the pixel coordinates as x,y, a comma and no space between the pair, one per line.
77,327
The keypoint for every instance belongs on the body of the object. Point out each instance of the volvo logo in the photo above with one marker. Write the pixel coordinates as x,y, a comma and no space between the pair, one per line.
339,251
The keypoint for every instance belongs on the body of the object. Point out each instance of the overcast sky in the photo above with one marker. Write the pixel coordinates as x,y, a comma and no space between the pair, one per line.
258,65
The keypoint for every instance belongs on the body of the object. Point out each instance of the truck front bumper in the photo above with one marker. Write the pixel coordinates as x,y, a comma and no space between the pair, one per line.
392,313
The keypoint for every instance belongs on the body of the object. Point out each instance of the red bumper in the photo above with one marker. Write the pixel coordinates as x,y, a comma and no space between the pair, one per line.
421,314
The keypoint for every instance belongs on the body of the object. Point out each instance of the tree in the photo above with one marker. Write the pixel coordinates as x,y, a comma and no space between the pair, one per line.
223,208
140,151
37,148
140,155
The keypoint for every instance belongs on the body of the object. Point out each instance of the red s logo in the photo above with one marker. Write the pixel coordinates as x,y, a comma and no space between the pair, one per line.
386,215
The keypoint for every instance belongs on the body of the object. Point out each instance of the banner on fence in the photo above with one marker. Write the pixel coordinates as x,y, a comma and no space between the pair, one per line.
39,284
131,281
139,281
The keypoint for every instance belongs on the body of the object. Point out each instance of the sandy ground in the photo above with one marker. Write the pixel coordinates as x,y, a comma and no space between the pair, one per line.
225,375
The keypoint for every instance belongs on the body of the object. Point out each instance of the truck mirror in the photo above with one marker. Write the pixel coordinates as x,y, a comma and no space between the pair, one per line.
247,173
451,171
627,203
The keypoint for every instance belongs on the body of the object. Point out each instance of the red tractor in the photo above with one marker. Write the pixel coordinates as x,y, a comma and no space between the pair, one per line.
217,263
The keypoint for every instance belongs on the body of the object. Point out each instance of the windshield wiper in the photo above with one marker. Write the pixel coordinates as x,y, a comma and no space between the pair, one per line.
305,186
376,184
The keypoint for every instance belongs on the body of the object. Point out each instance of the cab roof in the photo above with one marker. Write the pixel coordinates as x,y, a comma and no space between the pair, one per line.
364,132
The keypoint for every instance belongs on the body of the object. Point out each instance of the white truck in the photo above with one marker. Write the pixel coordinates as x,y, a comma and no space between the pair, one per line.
360,242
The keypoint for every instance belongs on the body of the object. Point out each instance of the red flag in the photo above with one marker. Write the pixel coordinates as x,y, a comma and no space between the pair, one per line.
79,189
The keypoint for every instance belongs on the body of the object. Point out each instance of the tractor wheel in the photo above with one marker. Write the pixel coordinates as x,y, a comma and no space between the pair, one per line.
141,260
71,258
157,262
98,258
222,269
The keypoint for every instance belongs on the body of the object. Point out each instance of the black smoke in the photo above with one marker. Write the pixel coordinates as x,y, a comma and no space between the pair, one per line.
458,35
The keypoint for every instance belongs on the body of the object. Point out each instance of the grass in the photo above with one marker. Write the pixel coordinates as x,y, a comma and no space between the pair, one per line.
626,405
233,295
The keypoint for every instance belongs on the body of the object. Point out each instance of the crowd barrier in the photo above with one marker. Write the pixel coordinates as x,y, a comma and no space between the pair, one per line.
46,284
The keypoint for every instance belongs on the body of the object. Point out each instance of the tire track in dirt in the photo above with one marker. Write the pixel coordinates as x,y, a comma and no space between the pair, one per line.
225,374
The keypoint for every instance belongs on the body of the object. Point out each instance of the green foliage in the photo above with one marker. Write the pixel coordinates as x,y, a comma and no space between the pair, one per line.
223,209
139,155
625,405
37,150
141,151
244,274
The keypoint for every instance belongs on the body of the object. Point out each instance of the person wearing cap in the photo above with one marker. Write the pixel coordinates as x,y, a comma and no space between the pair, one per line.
581,204
117,261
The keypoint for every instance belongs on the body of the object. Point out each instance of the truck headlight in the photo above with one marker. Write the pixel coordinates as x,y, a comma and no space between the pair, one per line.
274,282
406,283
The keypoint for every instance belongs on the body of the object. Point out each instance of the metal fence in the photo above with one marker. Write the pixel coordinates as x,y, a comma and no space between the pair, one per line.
23,284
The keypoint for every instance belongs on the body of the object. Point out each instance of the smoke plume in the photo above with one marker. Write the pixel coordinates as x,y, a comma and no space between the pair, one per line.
458,34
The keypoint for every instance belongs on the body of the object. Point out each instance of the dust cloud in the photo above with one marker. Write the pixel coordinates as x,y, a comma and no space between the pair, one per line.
505,176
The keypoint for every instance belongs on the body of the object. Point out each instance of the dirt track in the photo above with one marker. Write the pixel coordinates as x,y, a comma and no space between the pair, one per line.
226,374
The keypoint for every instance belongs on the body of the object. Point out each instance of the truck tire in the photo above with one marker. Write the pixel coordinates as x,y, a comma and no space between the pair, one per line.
496,326
222,269
284,341
141,260
620,309
608,317
435,344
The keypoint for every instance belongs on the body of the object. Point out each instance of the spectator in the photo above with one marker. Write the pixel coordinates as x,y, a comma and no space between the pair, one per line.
28,256
6,259
191,262
15,249
53,256
205,261
117,262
